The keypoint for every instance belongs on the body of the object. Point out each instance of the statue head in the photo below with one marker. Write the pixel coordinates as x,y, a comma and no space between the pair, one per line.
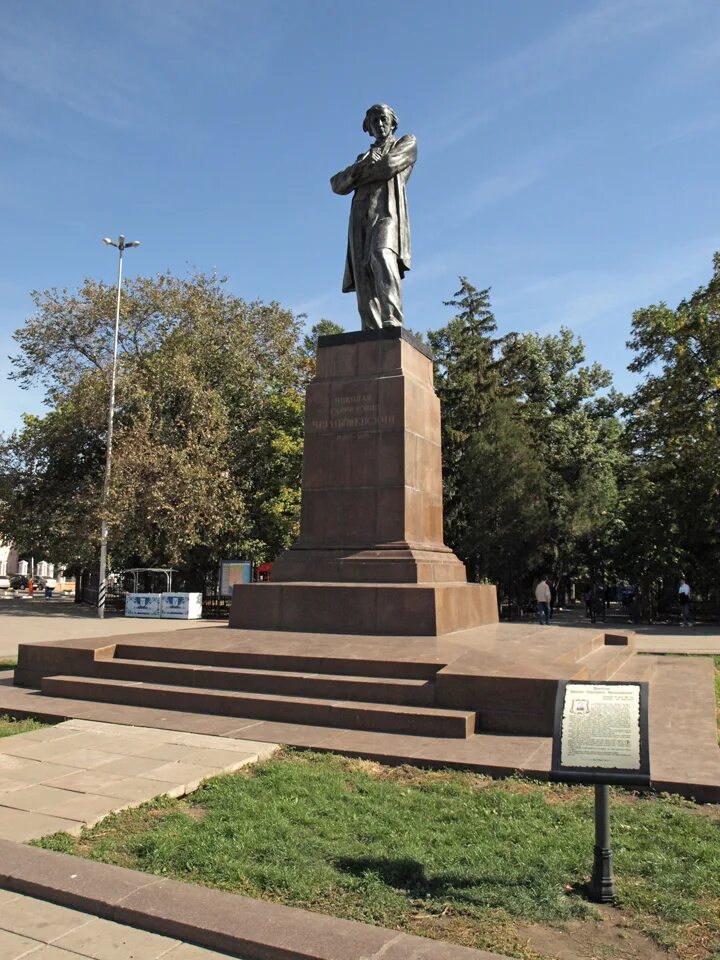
384,113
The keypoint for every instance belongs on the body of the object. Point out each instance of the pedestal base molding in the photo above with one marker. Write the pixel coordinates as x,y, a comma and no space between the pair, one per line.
363,608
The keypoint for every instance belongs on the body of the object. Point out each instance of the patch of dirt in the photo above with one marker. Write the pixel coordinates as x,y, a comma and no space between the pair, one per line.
609,938
496,934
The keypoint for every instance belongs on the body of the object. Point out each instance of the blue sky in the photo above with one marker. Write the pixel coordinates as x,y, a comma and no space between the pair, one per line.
568,151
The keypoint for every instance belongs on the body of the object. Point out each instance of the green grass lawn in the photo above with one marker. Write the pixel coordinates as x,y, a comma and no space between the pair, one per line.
443,854
9,727
8,664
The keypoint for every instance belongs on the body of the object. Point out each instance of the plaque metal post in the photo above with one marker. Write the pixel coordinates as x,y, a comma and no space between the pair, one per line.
602,884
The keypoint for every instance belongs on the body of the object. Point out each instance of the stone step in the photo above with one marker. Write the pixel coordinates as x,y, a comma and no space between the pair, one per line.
604,663
590,642
386,718
286,662
638,668
325,686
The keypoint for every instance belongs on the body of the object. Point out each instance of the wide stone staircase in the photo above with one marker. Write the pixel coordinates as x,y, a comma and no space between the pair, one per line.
423,697
384,696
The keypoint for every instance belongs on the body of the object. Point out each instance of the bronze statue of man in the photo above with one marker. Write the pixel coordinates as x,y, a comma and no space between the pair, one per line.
378,254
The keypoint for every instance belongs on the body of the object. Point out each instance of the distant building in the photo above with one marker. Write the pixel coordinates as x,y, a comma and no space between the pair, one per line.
8,560
11,564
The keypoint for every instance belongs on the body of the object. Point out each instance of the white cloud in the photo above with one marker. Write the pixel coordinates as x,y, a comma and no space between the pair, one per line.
693,64
546,61
549,61
695,127
81,76
532,166
580,298
444,131
111,73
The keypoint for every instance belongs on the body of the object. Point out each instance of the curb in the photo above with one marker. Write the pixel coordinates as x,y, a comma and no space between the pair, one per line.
252,929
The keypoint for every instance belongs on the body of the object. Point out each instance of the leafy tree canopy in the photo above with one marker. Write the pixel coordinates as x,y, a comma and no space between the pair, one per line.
208,430
672,496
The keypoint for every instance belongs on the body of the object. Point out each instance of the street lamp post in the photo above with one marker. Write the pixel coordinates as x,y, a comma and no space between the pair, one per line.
121,244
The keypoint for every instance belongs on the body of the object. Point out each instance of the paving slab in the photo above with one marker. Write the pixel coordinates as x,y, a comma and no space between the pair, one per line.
92,778
125,767
45,922
39,929
692,641
23,825
6,784
186,951
13,946
86,811
108,940
31,771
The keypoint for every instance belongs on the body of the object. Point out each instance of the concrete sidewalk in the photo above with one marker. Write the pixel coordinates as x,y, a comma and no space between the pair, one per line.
694,640
37,620
702,638
74,774
34,929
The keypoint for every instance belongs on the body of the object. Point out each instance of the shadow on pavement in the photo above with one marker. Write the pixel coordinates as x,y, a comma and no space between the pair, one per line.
56,607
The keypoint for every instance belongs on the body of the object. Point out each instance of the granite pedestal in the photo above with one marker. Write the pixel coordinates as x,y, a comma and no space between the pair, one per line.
370,557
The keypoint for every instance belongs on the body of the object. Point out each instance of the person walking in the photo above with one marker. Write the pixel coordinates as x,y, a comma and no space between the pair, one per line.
590,611
543,596
684,601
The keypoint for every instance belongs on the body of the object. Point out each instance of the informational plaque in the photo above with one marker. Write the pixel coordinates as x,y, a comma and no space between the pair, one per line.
232,572
601,733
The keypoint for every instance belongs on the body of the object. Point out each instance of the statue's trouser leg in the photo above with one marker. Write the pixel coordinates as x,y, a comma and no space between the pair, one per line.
387,302
379,294
366,298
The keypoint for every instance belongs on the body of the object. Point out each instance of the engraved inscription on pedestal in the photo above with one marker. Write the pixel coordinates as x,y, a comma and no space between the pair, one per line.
358,411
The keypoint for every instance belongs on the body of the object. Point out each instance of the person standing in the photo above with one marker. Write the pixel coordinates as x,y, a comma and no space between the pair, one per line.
684,601
543,597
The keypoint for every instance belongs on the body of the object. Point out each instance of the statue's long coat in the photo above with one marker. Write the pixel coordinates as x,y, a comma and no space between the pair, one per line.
379,188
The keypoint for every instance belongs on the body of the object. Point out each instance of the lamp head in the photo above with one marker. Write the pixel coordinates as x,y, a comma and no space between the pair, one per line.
109,242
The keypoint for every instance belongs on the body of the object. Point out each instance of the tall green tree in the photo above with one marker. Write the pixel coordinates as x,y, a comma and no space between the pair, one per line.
208,432
570,420
494,486
672,495
531,448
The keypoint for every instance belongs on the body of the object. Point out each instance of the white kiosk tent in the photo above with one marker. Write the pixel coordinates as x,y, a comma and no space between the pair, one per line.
144,602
